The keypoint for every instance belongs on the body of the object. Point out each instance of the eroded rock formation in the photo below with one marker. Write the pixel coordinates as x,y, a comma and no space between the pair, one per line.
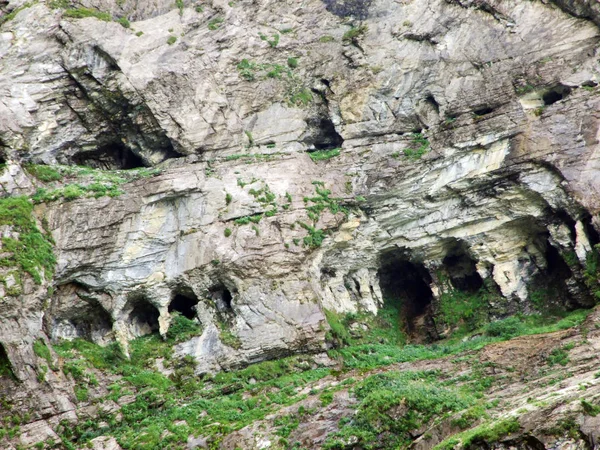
468,158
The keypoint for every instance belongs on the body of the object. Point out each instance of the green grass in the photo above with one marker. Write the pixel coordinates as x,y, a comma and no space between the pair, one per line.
211,406
487,433
395,404
419,146
91,182
41,350
10,16
32,250
215,23
354,33
124,22
81,13
373,355
323,155
44,173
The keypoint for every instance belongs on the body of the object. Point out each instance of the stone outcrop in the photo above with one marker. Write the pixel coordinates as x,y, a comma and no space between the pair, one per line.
468,158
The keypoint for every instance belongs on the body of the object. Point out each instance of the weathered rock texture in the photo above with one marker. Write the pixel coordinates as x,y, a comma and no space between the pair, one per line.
500,96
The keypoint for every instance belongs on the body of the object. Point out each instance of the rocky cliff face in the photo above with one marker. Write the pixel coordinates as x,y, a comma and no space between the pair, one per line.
305,156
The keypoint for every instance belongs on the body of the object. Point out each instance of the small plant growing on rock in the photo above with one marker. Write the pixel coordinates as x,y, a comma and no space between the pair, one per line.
215,23
171,40
227,232
124,22
354,34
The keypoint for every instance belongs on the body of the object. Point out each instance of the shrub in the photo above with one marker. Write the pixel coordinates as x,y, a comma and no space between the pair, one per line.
227,232
354,33
292,62
505,328
171,40
215,23
322,155
43,173
81,13
124,22
32,251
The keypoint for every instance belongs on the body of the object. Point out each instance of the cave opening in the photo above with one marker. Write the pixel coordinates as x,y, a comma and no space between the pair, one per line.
483,111
324,136
407,285
143,317
555,94
430,99
461,269
109,157
222,297
557,269
549,289
590,230
185,304
93,324
5,365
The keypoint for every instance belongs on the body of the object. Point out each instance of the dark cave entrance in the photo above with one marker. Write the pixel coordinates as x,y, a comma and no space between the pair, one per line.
407,285
143,318
94,323
109,157
5,364
590,230
555,94
461,269
222,297
185,304
324,135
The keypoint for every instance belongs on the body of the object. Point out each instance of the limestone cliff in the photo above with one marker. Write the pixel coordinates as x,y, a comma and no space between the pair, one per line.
254,163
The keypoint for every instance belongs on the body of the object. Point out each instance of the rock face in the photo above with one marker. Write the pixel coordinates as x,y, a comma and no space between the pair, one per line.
469,157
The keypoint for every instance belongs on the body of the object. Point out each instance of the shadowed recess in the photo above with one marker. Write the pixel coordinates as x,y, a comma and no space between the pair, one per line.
143,318
461,268
185,304
109,157
408,284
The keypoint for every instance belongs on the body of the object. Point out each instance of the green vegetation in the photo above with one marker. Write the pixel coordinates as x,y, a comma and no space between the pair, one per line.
292,62
81,13
370,355
272,42
354,33
44,173
210,406
420,146
124,22
589,408
247,219
215,23
31,251
228,198
488,433
467,310
10,16
300,96
378,424
559,355
227,232
326,38
139,33
41,350
94,183
179,4
323,155
171,40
